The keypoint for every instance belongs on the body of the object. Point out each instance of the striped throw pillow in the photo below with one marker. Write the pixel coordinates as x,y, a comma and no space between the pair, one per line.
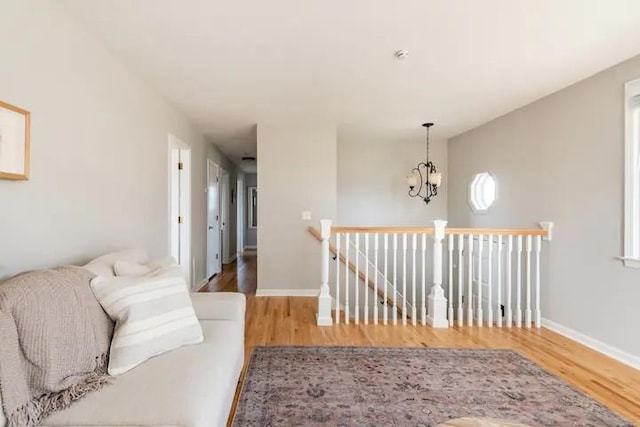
153,315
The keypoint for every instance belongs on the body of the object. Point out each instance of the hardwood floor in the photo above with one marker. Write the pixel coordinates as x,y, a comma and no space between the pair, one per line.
239,276
291,321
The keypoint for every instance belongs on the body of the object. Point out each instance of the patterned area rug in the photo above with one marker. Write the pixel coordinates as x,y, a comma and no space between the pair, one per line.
365,386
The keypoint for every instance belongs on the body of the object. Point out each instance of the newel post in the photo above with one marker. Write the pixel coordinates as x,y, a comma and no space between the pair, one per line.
324,298
437,303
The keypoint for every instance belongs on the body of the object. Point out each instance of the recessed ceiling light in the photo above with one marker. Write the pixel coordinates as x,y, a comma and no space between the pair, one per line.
401,54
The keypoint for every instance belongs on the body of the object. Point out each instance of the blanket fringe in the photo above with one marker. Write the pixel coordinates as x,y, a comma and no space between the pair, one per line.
32,413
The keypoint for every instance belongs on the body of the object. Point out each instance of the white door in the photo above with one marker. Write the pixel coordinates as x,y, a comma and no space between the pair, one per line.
213,220
226,230
240,215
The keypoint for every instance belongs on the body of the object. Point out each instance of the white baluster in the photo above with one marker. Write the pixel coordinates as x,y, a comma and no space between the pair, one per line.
509,299
480,313
470,281
324,298
519,284
338,235
356,311
385,307
375,278
404,278
490,282
437,317
366,279
347,273
423,307
527,312
395,278
538,312
450,259
414,246
460,279
499,288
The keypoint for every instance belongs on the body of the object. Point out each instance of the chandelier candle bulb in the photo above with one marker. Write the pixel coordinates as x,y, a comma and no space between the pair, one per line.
412,180
435,179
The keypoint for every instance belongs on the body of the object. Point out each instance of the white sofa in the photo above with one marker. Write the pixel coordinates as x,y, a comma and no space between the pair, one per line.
192,386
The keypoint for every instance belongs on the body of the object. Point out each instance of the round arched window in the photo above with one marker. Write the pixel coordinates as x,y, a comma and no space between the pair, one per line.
482,191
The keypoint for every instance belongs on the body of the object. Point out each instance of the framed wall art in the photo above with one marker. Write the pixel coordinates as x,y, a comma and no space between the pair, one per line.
15,124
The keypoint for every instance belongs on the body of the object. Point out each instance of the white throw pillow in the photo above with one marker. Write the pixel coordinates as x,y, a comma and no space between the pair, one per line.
130,269
153,315
104,265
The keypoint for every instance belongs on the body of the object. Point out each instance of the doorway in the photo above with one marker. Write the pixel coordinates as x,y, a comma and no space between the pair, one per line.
180,203
214,260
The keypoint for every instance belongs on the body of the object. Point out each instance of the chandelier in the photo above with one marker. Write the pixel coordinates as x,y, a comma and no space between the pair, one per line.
424,179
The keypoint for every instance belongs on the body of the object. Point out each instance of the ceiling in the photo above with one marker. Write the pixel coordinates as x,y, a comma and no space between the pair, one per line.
231,64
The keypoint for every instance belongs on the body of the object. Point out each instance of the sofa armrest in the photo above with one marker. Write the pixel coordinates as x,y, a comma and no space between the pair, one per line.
219,305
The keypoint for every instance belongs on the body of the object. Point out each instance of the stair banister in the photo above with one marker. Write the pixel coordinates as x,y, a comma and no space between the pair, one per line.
324,298
437,303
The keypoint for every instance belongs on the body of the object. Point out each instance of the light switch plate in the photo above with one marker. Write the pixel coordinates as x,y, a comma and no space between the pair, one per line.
306,215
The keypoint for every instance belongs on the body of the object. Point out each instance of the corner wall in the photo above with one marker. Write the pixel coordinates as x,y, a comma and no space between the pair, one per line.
297,172
99,143
562,159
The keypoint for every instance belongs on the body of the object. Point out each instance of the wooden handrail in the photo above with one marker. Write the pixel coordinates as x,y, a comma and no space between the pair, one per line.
316,233
496,231
421,230
454,231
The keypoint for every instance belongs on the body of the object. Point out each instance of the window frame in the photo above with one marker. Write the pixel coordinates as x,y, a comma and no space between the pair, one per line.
471,192
631,255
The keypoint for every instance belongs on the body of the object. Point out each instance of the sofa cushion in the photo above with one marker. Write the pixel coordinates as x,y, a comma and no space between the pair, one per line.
153,315
219,305
191,387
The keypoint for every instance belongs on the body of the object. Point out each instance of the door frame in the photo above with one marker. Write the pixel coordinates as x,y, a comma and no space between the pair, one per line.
225,211
240,214
179,203
211,165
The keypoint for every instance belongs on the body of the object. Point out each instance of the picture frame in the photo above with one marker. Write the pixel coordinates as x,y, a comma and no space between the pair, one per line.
252,204
15,142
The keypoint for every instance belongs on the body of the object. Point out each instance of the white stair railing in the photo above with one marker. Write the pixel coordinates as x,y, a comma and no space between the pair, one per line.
493,276
379,278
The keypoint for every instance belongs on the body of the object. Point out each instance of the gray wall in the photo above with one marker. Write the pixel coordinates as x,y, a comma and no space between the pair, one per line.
99,165
297,172
250,234
372,170
562,159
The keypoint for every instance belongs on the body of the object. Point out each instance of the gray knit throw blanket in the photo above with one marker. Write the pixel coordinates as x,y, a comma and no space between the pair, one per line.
55,341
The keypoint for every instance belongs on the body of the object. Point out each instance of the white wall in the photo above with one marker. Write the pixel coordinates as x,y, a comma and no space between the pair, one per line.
99,177
250,234
372,170
297,172
561,159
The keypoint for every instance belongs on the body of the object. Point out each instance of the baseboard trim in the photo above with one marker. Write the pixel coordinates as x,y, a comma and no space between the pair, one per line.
202,283
287,292
250,247
599,346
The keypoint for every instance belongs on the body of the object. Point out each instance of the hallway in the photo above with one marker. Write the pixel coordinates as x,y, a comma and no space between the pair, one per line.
239,276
